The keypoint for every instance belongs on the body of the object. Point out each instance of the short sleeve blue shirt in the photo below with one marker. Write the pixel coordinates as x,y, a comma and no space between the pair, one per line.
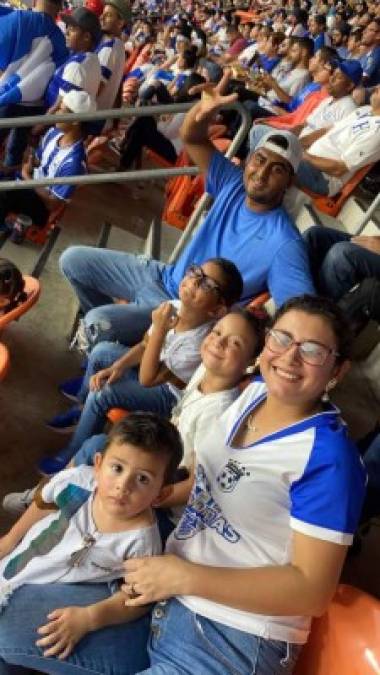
266,247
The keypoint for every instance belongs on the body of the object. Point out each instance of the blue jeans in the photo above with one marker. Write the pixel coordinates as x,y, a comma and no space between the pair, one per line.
307,175
184,643
18,137
336,263
124,393
115,650
98,276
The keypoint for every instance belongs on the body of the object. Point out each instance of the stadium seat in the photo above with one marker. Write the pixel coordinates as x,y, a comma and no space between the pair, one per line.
116,414
332,205
33,290
4,361
346,639
39,235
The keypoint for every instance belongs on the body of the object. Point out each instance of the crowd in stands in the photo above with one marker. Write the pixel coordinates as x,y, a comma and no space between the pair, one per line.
230,456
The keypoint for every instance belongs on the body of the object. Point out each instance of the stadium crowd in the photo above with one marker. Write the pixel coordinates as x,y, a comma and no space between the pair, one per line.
254,490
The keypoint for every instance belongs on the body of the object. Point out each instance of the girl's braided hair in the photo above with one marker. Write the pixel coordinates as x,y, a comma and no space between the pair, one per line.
11,284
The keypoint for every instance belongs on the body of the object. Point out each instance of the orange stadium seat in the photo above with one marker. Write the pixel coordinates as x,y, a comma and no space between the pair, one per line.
33,290
346,639
332,205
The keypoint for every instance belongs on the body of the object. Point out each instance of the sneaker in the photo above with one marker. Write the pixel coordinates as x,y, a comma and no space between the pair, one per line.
48,466
17,502
71,388
66,422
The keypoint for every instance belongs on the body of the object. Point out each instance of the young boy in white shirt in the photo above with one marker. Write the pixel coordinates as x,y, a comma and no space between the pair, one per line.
86,521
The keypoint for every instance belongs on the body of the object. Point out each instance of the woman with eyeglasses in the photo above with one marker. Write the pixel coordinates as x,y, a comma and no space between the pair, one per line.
277,497
260,547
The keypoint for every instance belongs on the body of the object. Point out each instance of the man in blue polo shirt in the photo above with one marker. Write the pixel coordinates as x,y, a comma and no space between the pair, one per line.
246,224
370,61
31,48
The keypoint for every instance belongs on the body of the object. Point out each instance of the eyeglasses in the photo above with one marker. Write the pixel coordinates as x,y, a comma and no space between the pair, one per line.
204,282
312,353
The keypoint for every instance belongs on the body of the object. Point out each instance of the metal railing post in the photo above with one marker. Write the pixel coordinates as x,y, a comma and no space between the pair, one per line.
128,176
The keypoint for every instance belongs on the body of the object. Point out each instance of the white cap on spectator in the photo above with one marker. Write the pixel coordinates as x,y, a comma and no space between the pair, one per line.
292,150
79,102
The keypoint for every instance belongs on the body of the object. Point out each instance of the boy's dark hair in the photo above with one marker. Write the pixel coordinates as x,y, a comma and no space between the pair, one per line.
232,286
190,57
257,326
305,43
326,309
328,54
153,434
320,19
11,284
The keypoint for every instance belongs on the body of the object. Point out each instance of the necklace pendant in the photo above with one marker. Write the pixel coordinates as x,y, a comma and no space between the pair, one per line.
251,426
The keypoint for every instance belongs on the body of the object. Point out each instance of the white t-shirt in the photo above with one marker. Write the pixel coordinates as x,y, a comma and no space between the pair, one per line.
291,83
45,554
327,113
111,55
181,351
80,72
246,502
355,140
195,412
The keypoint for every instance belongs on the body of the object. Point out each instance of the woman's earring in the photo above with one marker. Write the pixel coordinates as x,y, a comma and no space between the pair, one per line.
329,386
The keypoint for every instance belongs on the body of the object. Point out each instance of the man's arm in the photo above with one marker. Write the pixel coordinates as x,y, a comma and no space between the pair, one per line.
194,130
332,167
308,140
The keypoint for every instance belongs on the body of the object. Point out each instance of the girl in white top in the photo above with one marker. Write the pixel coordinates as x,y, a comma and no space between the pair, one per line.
227,351
276,500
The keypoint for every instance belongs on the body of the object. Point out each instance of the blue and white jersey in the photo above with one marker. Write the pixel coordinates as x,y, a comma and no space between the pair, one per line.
57,162
80,72
33,47
111,55
246,503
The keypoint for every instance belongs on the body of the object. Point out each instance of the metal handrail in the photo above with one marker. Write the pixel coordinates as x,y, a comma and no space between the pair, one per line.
129,176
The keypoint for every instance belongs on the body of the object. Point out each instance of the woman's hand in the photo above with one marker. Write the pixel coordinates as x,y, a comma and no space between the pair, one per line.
7,545
164,317
64,629
155,578
213,97
106,376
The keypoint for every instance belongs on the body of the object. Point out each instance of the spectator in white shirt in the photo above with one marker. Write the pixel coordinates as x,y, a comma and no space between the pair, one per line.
111,53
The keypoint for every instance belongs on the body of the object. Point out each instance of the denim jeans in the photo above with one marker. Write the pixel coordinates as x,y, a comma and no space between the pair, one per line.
184,643
98,276
115,650
307,175
18,137
124,393
336,263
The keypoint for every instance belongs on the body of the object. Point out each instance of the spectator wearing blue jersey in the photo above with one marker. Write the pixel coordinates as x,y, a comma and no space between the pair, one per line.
317,31
339,39
370,61
31,48
61,153
277,495
246,220
81,72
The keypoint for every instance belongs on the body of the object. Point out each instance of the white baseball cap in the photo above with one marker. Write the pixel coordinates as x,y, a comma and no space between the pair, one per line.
290,148
79,102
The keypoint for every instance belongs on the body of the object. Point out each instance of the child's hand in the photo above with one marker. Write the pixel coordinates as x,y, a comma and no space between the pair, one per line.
64,629
7,545
164,317
106,376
